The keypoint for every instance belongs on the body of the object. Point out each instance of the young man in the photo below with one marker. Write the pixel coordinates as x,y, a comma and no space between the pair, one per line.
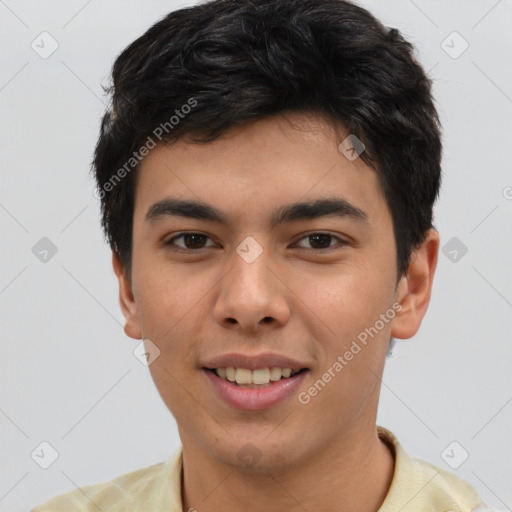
267,175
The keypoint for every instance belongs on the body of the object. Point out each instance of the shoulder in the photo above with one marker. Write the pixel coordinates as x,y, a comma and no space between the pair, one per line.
443,488
143,489
418,484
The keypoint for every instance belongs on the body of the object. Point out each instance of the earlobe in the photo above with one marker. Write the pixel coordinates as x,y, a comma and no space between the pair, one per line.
126,301
415,288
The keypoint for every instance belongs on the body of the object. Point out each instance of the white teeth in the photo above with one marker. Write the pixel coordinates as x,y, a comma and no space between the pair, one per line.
261,376
275,374
243,376
286,372
230,374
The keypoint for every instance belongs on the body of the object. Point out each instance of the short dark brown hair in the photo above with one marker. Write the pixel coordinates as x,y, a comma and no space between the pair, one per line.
202,70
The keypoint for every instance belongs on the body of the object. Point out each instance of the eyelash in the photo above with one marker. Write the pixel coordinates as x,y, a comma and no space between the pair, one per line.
170,243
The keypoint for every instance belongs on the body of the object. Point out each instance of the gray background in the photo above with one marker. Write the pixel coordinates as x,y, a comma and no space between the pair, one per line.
68,374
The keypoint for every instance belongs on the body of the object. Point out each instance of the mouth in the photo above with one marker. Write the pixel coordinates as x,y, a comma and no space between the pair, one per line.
257,389
257,378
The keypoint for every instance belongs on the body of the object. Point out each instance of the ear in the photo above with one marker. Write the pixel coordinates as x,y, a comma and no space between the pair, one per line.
127,301
414,289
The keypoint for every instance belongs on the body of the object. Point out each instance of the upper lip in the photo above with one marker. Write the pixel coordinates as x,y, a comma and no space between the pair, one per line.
253,362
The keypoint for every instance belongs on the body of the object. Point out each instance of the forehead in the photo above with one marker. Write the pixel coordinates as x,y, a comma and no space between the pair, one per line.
261,170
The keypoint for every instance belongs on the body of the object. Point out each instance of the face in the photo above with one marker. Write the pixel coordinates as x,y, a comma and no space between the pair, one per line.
248,282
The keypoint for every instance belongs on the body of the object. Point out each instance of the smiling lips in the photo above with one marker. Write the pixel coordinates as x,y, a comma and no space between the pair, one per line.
251,371
254,397
259,377
253,362
254,382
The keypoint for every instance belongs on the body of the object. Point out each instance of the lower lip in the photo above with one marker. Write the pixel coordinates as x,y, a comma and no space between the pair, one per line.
255,399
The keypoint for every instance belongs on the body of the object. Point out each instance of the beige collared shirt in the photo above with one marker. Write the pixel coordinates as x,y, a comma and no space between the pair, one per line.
417,486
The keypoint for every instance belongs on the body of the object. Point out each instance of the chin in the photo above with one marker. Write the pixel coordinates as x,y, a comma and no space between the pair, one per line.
258,454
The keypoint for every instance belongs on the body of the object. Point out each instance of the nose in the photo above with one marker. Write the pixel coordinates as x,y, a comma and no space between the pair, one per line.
252,296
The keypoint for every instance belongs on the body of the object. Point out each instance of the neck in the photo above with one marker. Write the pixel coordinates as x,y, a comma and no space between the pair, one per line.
353,473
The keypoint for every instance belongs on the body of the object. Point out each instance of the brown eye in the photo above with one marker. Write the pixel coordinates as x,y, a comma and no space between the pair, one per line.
191,241
322,241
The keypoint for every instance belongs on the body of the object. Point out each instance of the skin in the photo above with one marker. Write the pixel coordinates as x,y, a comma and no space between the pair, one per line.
325,455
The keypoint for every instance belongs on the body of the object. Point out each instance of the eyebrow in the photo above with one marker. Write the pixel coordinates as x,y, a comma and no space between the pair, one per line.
331,206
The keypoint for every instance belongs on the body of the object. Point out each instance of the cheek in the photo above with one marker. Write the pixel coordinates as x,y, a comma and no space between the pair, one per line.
345,299
172,306
165,295
348,307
